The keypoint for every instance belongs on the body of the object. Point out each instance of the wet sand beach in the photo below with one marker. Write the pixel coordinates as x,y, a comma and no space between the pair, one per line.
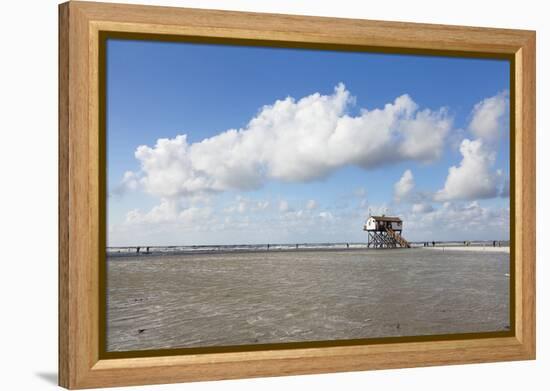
222,299
474,249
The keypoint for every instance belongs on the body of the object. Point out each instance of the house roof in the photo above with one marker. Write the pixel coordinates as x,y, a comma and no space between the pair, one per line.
387,218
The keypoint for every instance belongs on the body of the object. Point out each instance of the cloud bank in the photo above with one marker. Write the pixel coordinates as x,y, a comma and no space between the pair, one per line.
169,211
458,221
293,141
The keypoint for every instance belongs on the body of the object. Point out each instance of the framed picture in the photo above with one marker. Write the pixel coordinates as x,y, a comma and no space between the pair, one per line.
247,195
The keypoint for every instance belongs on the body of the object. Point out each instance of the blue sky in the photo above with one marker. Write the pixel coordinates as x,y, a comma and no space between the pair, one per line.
161,90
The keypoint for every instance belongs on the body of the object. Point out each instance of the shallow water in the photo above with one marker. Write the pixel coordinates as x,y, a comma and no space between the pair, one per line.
202,300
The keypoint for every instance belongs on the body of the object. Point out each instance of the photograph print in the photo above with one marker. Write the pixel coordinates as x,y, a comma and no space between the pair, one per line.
263,195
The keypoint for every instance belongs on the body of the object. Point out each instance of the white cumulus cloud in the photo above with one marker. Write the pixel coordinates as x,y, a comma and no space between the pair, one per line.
242,205
473,178
326,215
421,208
293,141
403,188
489,117
129,182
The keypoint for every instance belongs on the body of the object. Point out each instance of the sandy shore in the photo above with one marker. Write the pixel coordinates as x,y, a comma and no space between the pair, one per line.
157,302
471,248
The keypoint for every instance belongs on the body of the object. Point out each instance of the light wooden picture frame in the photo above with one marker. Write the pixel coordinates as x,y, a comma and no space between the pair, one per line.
82,203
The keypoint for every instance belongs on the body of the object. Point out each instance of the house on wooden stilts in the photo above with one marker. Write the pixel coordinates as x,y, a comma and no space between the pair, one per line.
385,232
